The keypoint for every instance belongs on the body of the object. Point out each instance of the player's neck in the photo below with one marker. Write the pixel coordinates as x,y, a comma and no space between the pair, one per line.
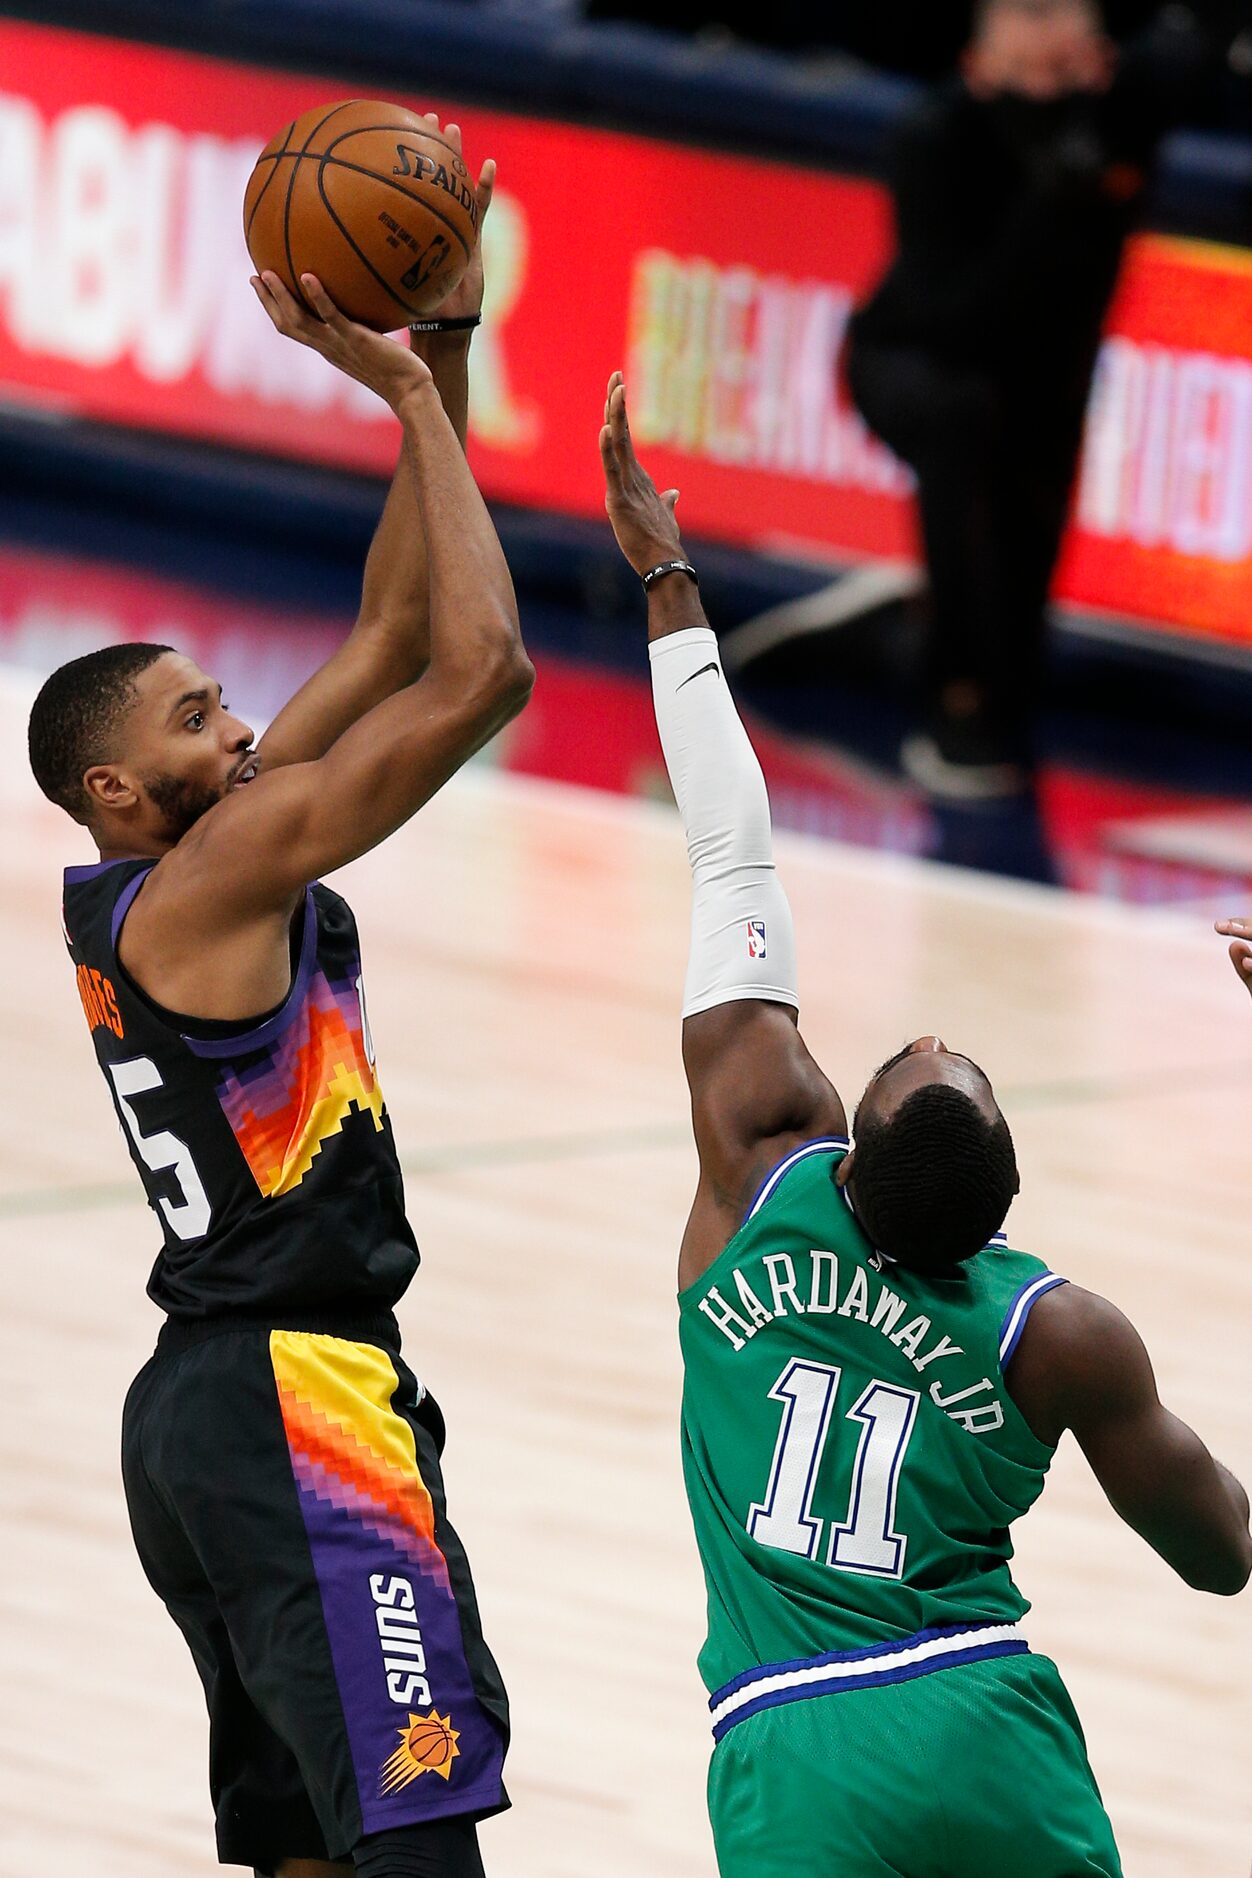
130,849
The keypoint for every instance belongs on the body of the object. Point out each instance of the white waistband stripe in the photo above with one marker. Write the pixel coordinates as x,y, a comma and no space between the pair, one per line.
890,1664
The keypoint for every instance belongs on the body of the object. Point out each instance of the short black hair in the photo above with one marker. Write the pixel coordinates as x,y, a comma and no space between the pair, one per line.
76,717
983,10
933,1182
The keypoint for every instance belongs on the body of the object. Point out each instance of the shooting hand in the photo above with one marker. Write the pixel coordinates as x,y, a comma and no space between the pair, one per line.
373,359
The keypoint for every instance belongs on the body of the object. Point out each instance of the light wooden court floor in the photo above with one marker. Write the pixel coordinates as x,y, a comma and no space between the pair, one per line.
524,950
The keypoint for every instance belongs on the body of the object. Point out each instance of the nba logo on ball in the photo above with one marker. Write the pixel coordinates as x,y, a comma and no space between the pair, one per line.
756,938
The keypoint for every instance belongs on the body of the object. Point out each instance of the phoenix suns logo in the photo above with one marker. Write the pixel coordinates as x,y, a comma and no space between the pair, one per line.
428,1745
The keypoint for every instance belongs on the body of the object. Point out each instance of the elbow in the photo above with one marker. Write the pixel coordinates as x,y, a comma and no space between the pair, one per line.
511,679
1225,1575
1236,1578
502,681
1228,1585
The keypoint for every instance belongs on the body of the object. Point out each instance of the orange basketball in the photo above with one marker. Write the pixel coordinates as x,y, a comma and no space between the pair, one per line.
371,199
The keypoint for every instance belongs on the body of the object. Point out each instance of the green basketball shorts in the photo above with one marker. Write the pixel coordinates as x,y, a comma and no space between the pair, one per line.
975,1770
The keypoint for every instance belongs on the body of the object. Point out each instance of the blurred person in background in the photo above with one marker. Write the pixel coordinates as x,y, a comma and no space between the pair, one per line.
916,37
1015,185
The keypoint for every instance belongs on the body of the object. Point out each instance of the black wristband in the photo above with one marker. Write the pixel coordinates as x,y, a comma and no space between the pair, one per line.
669,567
464,324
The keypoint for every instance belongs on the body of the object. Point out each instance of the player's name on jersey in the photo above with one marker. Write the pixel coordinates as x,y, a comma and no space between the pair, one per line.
793,1291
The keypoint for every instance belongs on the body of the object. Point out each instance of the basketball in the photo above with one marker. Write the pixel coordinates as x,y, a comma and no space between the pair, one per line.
428,1742
373,200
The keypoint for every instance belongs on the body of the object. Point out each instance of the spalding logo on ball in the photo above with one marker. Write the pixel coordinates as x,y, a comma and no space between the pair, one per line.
371,199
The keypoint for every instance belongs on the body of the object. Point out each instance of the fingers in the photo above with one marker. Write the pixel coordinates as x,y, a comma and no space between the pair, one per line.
285,311
615,412
619,424
485,186
608,457
1239,932
264,295
322,304
485,190
451,132
614,406
1241,958
294,320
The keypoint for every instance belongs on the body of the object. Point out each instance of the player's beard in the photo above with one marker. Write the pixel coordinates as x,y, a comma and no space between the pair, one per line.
182,803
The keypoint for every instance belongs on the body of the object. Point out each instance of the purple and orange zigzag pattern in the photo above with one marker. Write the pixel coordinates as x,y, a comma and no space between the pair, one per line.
295,1096
350,1450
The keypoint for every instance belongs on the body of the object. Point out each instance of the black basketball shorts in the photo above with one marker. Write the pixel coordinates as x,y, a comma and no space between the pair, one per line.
286,1500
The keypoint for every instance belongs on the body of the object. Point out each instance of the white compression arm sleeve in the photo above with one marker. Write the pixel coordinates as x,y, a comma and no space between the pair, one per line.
742,940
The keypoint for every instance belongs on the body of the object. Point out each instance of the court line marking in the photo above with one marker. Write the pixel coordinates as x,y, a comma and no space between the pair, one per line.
514,1152
519,1151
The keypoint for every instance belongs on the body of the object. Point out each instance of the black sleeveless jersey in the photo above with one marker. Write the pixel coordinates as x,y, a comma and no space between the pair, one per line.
265,1149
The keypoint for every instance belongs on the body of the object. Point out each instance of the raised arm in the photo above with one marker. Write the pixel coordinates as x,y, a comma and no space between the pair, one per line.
389,645
755,1090
220,900
1082,1365
312,817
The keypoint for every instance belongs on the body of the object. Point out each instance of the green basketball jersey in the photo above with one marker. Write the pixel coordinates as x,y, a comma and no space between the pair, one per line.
853,1460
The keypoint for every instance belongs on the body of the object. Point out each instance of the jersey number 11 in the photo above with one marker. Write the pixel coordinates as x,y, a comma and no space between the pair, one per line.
866,1540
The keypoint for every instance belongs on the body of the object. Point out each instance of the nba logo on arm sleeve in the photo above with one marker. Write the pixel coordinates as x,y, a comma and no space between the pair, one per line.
756,938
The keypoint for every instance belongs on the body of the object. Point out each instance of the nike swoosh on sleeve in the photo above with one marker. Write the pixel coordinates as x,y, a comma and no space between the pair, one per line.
710,667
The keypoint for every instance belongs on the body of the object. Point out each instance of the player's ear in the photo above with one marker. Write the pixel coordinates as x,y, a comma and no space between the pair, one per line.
843,1173
108,787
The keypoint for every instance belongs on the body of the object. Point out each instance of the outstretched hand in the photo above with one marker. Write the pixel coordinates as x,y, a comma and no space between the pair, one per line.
466,298
643,521
1239,932
373,359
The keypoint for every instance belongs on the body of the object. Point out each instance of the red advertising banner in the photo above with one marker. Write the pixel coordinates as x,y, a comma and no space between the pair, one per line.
1162,518
722,285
